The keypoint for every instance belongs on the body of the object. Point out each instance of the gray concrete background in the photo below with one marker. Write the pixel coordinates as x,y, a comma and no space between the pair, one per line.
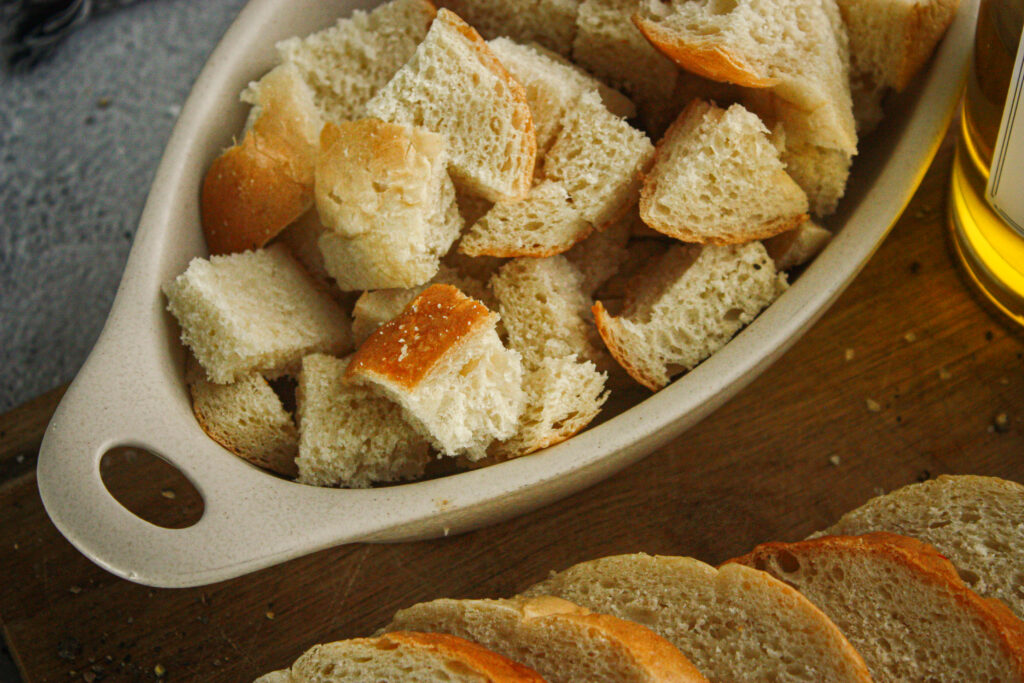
80,138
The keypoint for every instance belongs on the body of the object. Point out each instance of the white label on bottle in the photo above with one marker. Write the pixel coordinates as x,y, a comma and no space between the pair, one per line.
1005,191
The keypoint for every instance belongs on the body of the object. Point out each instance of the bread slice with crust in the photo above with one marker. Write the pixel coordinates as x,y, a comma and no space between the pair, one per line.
551,23
975,522
348,436
563,642
442,361
687,307
717,179
797,246
733,623
345,65
257,187
402,656
254,311
383,191
455,86
902,606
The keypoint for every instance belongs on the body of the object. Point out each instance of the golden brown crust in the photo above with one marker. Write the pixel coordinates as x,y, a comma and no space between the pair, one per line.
606,328
404,350
924,561
710,62
492,666
926,26
531,251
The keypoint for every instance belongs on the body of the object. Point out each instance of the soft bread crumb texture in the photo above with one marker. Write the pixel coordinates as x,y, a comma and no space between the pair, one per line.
254,311
349,436
551,23
798,246
733,623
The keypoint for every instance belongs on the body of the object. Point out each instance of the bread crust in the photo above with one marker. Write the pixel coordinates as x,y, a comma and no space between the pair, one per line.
607,328
481,660
527,250
927,23
404,350
710,62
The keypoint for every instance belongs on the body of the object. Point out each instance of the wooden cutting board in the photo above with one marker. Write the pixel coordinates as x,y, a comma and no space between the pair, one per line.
907,377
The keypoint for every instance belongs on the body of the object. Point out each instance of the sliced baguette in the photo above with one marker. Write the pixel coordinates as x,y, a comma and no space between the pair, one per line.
797,246
734,623
717,179
902,606
563,642
551,23
442,361
687,307
455,86
974,521
348,436
402,656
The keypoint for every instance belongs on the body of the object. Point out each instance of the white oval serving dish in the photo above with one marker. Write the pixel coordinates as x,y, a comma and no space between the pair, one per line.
131,390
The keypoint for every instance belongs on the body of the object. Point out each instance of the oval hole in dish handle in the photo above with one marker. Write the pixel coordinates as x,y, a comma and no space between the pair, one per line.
251,519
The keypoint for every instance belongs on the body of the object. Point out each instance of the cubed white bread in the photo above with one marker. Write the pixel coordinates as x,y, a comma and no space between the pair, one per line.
563,642
973,521
797,246
373,309
383,191
257,187
402,657
689,306
552,86
717,179
598,158
610,46
641,252
254,311
245,417
349,436
798,48
551,23
480,268
902,605
563,396
733,623
545,223
346,64
455,86
599,256
301,238
443,362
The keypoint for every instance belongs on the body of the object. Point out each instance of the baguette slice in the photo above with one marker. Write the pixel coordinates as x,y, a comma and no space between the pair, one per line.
563,642
455,86
256,188
717,179
383,190
442,361
973,521
735,623
402,656
345,65
254,311
690,305
348,436
245,417
902,606
551,23
797,246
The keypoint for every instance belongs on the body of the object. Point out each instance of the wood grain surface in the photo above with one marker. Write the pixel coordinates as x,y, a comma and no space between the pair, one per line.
904,379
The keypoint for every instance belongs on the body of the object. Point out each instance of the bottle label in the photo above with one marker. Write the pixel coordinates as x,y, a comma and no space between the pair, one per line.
1005,190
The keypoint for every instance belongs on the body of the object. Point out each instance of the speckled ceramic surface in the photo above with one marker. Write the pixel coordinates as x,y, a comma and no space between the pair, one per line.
131,389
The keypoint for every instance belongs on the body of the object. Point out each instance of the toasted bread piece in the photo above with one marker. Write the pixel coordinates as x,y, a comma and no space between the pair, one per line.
733,623
442,361
245,417
563,642
383,191
798,48
346,64
902,606
455,86
717,179
348,436
254,311
551,23
257,187
973,521
691,303
797,246
598,158
546,223
403,656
